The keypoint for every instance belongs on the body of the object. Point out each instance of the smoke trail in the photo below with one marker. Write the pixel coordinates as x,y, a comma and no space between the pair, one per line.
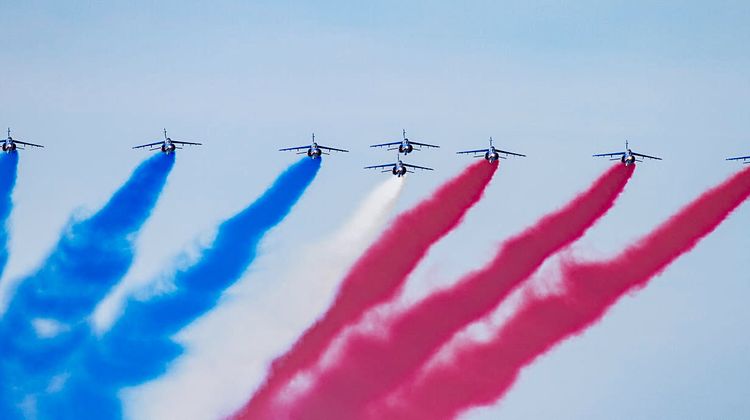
414,336
46,317
8,168
219,377
138,347
482,373
8,172
376,276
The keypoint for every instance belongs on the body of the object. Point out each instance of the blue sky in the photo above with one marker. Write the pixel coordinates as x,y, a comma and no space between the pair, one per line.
554,80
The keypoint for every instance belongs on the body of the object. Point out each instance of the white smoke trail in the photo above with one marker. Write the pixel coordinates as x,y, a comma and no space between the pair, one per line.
229,350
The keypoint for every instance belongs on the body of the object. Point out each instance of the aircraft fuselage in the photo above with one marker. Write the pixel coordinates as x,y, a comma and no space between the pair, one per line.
314,152
9,145
168,147
628,158
492,155
399,170
405,147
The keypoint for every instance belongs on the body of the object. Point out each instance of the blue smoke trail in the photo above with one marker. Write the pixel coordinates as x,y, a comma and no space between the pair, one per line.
139,345
47,316
8,170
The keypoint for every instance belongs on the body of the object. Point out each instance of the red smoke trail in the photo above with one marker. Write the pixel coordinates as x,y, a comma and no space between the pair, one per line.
362,374
376,277
482,373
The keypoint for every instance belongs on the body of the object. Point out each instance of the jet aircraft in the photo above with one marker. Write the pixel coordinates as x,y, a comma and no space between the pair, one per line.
314,150
10,144
167,145
404,146
628,157
744,159
398,168
491,154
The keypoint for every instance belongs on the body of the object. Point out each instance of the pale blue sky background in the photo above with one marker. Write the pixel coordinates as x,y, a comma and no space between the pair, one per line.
555,80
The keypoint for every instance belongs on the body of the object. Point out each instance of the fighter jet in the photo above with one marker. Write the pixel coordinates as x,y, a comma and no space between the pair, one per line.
167,145
314,150
628,157
398,168
404,146
10,144
491,154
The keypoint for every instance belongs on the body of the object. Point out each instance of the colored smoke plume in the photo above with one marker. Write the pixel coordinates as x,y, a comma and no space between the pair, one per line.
8,172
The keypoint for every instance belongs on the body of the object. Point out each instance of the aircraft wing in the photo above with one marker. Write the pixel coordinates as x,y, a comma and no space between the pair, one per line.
423,144
332,148
386,144
148,145
739,158
418,167
294,148
646,156
186,142
472,151
510,153
609,154
27,144
386,165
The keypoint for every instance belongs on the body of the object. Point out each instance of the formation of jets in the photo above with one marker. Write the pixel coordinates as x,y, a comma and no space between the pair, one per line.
398,168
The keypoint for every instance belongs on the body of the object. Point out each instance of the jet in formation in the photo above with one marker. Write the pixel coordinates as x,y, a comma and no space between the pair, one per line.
167,145
10,144
398,168
628,157
404,146
491,154
314,150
